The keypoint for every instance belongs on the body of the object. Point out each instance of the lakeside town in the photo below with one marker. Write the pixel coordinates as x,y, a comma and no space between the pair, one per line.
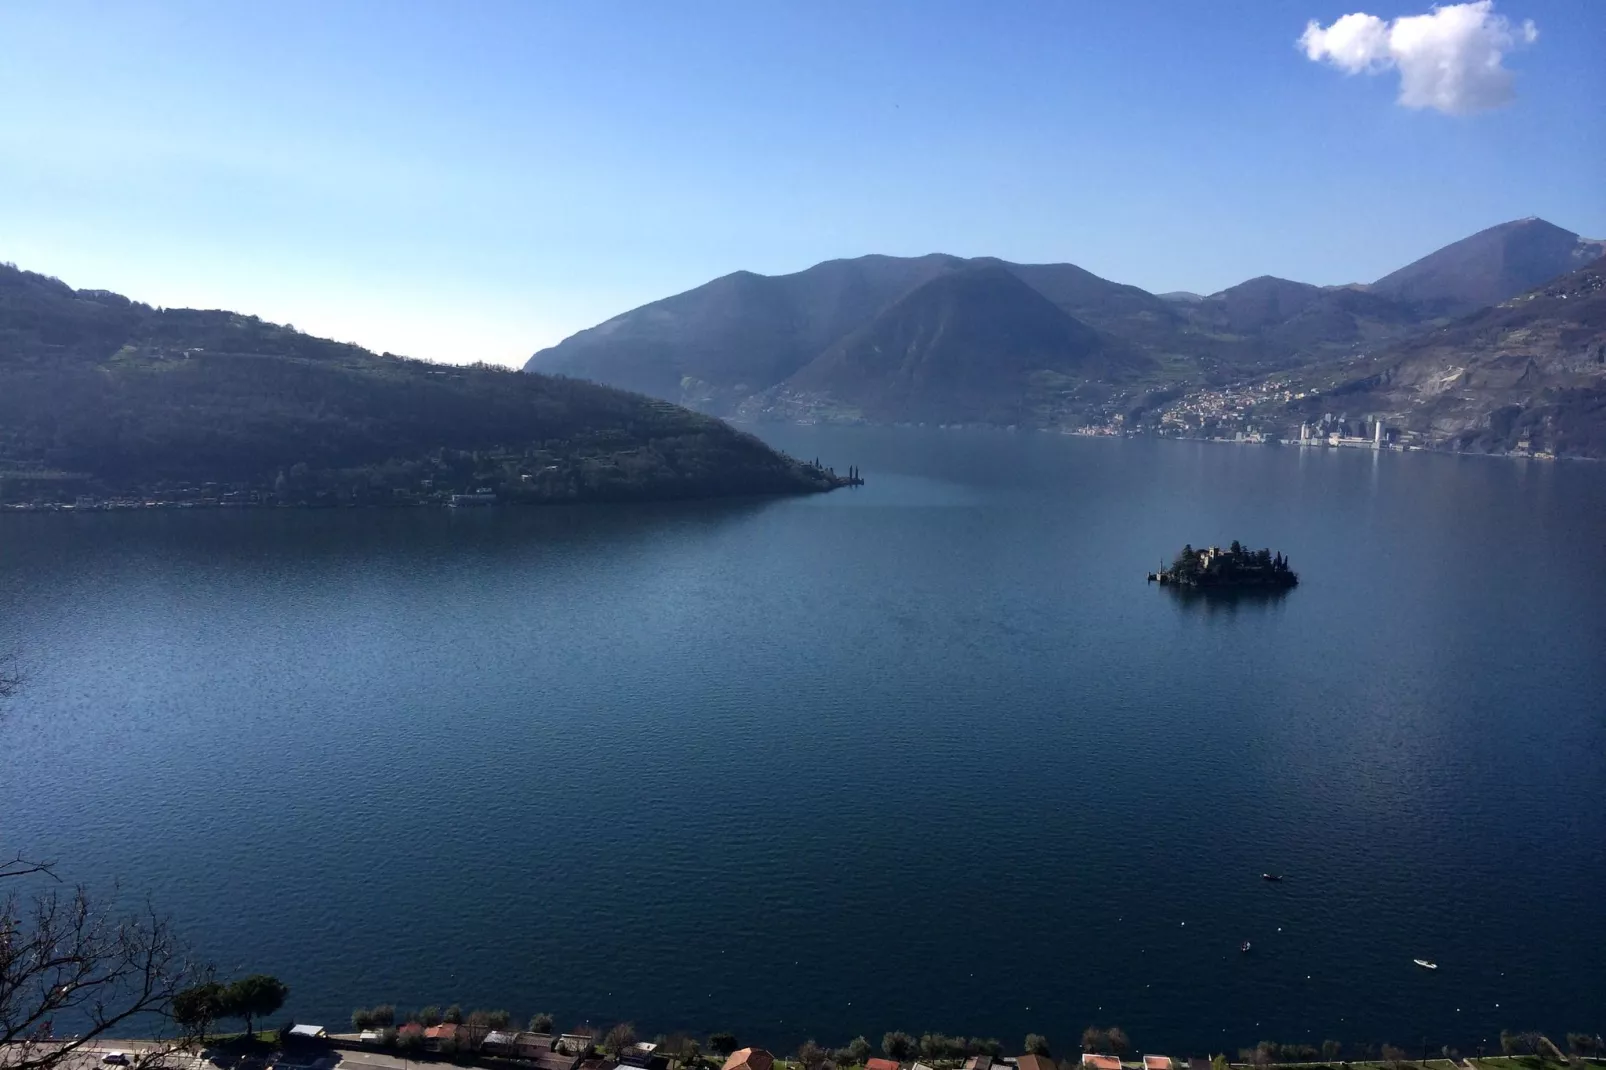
1240,412
476,1040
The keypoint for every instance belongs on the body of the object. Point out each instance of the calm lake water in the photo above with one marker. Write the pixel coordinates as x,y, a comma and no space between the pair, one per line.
925,755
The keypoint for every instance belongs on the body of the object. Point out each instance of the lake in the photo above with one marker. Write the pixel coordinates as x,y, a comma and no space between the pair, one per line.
927,754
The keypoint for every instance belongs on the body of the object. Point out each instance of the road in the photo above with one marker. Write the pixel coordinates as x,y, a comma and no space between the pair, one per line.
155,1054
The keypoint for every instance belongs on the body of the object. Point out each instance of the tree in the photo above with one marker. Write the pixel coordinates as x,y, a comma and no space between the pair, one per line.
541,1023
1395,1057
66,957
428,1016
1095,1040
453,1015
1036,1044
897,1046
1582,1044
1330,1050
362,1019
620,1039
1118,1042
724,1043
383,1016
859,1050
812,1057
254,997
195,1008
1219,1062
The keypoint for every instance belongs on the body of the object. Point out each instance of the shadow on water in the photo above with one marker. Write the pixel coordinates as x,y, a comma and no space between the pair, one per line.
1227,603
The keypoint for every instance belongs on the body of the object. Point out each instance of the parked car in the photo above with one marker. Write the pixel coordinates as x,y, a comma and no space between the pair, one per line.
115,1058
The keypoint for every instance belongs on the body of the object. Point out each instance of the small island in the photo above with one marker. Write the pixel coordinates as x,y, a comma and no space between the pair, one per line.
1228,570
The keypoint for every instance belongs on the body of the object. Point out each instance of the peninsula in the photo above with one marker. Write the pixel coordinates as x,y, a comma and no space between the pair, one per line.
110,403
1234,568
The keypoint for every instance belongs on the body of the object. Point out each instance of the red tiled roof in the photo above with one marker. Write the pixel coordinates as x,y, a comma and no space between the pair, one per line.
444,1031
880,1064
1101,1062
1035,1062
750,1059
1157,1062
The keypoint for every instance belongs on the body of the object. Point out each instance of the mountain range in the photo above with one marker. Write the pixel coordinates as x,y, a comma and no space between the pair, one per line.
1528,374
102,397
953,340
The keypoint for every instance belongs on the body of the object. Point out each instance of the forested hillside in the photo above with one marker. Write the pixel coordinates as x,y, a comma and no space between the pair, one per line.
103,396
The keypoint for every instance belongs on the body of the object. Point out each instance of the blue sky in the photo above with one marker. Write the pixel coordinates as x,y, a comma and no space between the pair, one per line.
475,180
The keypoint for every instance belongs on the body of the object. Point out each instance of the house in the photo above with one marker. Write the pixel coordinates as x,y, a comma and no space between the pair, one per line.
881,1064
551,1060
644,1060
1158,1062
1100,1062
529,1045
979,1062
436,1035
575,1043
311,1032
371,1036
498,1040
751,1059
1035,1062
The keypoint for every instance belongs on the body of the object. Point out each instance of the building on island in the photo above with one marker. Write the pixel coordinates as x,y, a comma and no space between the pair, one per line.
1100,1062
1035,1062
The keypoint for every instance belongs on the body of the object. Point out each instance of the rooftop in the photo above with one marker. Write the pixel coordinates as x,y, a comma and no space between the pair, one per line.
750,1059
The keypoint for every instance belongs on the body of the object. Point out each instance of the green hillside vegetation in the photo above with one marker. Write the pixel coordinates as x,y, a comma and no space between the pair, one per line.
103,396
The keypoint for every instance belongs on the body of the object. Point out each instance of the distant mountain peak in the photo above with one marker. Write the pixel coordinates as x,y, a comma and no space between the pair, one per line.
1491,266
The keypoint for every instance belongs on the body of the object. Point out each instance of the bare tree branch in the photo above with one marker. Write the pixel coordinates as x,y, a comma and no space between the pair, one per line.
66,964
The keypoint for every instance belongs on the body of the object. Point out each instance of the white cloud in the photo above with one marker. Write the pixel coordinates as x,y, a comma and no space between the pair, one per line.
1450,59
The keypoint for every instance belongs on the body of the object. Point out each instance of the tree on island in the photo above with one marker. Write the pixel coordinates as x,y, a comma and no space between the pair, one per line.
1037,1044
724,1043
541,1023
453,1015
859,1050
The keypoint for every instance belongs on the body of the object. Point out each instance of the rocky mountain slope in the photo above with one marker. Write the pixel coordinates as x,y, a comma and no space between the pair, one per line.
100,395
1526,375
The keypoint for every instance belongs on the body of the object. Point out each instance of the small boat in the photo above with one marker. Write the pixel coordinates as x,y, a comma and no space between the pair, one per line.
1271,876
1245,947
1425,964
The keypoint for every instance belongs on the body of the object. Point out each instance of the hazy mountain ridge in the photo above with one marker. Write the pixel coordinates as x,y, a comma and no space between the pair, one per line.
804,345
917,358
103,395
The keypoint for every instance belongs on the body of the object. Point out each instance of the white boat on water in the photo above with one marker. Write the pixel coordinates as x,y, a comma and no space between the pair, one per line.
1425,964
